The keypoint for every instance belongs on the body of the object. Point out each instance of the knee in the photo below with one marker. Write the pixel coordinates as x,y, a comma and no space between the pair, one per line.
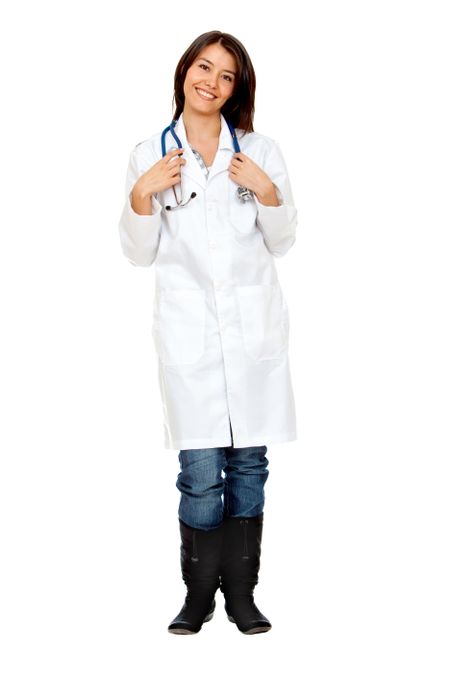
198,485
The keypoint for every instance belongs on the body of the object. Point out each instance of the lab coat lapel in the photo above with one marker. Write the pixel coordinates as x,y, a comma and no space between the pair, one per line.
192,167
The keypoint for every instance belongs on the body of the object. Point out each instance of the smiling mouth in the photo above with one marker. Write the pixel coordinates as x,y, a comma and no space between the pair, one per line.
206,97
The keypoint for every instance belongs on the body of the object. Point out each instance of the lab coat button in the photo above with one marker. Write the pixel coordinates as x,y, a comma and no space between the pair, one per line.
212,244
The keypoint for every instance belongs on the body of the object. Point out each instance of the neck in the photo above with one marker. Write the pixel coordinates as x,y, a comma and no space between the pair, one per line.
199,127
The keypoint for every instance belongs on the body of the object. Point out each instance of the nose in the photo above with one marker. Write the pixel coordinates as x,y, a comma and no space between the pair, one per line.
212,82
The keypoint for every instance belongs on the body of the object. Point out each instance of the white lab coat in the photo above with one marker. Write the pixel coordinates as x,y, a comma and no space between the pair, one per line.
220,319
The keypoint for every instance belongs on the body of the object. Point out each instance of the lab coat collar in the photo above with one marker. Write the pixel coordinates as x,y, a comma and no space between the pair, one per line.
192,167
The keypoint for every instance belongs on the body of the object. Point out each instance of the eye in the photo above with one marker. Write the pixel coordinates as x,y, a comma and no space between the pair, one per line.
203,65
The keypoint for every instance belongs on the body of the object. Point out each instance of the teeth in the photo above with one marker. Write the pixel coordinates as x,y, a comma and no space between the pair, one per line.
205,94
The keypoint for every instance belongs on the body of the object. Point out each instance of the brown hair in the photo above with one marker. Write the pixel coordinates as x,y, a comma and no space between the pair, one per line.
240,107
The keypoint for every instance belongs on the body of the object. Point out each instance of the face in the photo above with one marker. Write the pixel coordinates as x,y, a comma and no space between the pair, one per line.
214,70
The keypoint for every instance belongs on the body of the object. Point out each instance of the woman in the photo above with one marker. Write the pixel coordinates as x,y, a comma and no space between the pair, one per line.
213,219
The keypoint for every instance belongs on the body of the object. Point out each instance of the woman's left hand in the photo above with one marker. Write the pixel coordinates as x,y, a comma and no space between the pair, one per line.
244,171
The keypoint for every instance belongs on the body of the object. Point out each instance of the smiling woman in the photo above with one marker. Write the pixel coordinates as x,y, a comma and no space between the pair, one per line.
209,82
218,64
220,320
208,85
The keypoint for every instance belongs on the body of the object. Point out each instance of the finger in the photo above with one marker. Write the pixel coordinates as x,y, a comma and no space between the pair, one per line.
175,167
173,153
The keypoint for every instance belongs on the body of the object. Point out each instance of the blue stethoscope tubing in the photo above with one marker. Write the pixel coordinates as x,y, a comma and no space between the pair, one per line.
243,193
171,128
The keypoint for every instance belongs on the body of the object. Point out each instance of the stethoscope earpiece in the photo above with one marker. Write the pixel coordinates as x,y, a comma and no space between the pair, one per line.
171,208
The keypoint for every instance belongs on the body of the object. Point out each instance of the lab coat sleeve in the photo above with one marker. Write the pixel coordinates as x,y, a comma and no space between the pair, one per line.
278,223
139,234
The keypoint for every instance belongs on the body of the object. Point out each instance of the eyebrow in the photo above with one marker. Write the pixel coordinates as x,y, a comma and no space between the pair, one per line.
225,70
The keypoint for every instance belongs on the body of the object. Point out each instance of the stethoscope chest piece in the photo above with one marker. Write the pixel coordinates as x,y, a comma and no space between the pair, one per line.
244,194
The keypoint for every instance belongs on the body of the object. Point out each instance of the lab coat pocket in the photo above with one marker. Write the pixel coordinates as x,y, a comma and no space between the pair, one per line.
265,320
179,325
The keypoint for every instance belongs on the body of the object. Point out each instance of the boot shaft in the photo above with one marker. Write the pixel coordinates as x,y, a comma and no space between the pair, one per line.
241,554
200,555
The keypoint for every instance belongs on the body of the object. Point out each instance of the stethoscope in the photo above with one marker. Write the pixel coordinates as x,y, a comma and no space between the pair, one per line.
243,193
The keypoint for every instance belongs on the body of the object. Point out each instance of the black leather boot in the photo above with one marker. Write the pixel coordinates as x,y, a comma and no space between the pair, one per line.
200,563
241,552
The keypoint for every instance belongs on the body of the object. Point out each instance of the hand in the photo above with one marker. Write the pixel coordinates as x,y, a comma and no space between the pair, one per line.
163,174
244,171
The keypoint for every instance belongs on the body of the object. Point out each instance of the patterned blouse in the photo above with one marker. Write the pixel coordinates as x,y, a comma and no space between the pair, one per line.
200,161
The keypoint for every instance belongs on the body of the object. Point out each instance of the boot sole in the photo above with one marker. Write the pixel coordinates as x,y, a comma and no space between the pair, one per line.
186,631
251,631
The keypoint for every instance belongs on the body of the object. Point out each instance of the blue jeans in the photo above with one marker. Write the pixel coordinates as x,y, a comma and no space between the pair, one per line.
201,484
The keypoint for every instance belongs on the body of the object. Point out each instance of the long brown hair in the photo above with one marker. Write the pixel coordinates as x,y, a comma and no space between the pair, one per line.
240,107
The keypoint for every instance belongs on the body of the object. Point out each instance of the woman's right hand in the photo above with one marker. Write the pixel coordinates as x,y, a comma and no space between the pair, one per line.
162,175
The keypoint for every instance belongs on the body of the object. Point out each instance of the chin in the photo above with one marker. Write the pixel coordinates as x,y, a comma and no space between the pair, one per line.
206,109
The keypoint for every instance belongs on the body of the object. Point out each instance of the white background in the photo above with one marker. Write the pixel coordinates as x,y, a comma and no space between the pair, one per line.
354,568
